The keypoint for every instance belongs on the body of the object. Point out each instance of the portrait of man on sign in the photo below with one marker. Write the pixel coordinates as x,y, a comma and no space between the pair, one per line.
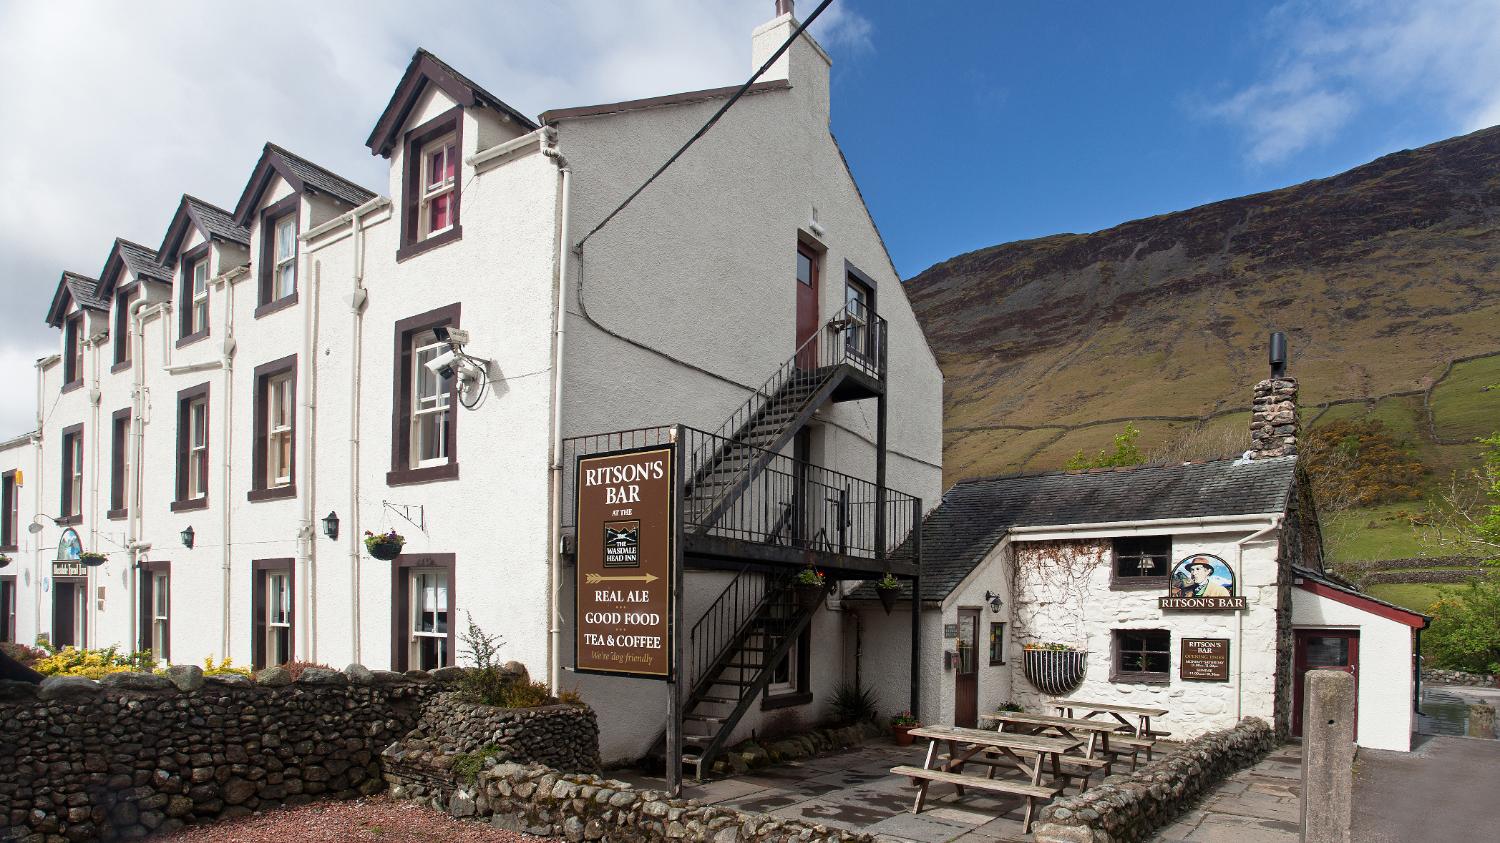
1202,576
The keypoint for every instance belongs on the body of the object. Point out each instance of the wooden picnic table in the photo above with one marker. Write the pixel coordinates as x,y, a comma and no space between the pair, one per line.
1143,715
1097,730
1013,749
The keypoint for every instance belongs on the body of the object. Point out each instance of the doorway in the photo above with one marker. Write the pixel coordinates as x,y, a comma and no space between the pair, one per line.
69,612
807,308
1323,649
966,673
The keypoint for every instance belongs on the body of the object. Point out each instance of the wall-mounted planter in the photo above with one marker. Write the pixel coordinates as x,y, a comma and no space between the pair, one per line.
1055,672
385,551
887,598
808,596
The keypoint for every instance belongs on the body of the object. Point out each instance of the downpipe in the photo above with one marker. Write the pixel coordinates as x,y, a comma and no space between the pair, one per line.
1239,618
226,452
554,555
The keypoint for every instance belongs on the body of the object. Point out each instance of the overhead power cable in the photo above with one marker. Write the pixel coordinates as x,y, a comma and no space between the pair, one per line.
709,125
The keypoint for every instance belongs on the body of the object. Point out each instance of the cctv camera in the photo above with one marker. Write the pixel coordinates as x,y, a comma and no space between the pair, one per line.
442,365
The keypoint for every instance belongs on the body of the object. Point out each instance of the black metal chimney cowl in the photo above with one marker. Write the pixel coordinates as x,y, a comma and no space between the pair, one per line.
1278,354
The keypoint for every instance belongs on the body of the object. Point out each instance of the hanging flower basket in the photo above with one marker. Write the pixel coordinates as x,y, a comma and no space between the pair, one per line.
4,560
1054,669
809,588
384,546
886,589
92,559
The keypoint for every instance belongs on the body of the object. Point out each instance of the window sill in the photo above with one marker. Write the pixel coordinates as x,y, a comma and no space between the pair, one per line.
1142,584
1141,679
274,493
191,338
8,548
280,304
413,476
117,514
411,250
119,367
786,700
72,385
190,505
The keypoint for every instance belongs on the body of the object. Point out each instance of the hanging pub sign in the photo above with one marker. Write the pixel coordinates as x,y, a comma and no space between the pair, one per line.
626,527
1201,581
1204,659
69,548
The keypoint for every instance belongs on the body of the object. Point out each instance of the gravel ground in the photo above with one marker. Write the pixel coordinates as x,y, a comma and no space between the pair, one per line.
377,819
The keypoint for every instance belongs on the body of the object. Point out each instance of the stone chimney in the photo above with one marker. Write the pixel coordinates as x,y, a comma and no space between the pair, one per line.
1273,412
805,64
785,7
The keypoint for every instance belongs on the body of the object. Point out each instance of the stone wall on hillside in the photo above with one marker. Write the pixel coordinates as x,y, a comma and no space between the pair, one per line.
136,753
1434,676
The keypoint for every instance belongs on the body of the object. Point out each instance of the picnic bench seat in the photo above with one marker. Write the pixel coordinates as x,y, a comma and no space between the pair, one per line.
1132,746
1089,765
1031,792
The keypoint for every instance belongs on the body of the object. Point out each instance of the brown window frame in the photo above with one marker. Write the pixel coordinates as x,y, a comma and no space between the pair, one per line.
266,301
449,122
260,489
1117,671
258,570
70,435
401,568
1132,547
185,399
189,259
73,352
803,694
121,343
149,570
10,511
401,473
8,609
997,637
119,436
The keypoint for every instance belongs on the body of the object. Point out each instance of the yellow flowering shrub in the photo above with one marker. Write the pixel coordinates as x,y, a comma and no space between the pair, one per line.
93,664
223,668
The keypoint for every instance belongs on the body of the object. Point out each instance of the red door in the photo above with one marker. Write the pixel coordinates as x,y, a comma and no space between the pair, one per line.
1323,649
966,676
807,308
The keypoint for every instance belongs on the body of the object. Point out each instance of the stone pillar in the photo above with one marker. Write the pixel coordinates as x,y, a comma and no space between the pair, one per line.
1481,720
1327,756
1273,418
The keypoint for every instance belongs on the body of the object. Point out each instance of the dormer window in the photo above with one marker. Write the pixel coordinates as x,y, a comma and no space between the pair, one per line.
200,296
431,184
286,257
122,329
73,351
278,255
193,323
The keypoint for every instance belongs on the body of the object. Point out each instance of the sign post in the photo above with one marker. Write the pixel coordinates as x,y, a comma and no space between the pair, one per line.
629,575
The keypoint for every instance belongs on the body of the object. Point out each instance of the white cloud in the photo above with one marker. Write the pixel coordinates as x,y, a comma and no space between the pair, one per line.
114,110
1336,59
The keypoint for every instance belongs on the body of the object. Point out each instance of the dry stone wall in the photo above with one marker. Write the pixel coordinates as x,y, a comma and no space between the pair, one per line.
1436,676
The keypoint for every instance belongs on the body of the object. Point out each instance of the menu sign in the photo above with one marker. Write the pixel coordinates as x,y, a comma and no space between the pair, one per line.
1205,659
626,523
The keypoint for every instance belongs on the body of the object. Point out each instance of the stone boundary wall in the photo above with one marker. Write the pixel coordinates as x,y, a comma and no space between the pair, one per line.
539,800
420,765
1435,676
136,753
1131,807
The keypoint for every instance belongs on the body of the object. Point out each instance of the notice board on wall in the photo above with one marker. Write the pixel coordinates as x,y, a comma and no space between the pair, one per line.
625,574
1204,659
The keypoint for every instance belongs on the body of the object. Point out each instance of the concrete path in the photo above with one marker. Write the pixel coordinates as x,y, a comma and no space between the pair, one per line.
1259,805
1444,789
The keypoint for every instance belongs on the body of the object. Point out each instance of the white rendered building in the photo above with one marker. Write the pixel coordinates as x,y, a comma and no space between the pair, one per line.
264,372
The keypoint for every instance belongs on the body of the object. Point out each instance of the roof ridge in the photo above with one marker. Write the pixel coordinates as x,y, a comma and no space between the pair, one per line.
281,150
1079,472
188,197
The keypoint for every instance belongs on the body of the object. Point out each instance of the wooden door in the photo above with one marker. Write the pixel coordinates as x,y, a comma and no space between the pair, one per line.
65,614
807,308
1323,649
966,674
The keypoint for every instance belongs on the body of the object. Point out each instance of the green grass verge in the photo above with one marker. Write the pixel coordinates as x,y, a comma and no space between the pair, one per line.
1376,532
1462,407
1418,597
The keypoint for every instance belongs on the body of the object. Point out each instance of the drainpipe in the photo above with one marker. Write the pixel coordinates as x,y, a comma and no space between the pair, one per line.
1239,618
309,588
226,453
357,310
554,555
133,520
36,505
95,396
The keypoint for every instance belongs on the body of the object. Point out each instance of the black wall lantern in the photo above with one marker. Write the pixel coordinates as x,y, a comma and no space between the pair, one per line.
187,537
994,601
331,525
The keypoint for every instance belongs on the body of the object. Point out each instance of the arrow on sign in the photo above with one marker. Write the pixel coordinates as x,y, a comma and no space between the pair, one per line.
591,579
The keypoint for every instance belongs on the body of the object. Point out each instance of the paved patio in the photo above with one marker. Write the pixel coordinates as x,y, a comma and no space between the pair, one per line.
1260,805
855,790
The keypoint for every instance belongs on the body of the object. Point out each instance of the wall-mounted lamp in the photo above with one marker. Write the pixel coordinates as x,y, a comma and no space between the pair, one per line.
331,525
187,537
994,600
35,526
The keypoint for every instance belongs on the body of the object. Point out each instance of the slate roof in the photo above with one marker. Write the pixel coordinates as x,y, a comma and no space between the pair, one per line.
426,68
976,514
301,174
79,288
1338,583
142,261
216,221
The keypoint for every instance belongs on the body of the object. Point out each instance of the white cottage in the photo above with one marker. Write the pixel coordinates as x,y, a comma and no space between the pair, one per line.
1198,588
231,411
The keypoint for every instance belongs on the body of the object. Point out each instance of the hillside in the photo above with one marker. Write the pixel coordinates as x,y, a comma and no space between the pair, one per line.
1384,278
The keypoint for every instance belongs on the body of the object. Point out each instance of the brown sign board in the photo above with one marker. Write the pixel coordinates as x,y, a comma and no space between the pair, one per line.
623,594
1205,659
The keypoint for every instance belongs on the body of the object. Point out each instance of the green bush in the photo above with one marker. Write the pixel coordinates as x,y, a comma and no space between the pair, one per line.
852,704
1125,454
1465,632
469,765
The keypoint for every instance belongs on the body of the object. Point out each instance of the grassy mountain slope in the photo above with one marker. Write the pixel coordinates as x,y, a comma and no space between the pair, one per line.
1382,276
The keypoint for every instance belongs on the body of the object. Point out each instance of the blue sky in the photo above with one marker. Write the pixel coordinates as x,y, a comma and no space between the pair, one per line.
971,124
967,123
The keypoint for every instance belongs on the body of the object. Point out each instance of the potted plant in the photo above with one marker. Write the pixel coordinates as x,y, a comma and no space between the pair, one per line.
808,587
886,588
1055,669
384,546
901,726
92,559
4,560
